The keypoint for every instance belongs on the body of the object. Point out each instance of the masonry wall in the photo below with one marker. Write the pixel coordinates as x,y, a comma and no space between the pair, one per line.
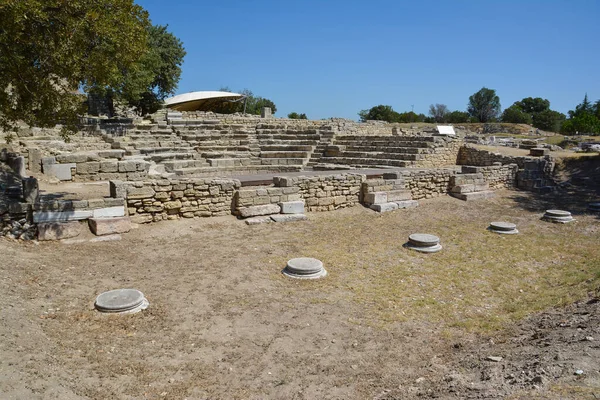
497,176
426,184
170,199
320,193
470,155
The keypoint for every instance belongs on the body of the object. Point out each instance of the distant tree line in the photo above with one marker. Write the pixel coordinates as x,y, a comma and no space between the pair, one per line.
484,106
251,104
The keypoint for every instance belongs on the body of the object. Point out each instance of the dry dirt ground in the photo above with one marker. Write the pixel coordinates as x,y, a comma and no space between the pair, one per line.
386,323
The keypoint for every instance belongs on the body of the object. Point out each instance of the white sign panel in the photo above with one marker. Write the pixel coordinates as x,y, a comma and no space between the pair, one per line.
446,130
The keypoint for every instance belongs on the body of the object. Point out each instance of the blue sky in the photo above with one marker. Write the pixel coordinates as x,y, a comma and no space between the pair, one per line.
333,58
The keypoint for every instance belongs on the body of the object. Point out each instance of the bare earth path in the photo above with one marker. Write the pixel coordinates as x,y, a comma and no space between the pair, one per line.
386,323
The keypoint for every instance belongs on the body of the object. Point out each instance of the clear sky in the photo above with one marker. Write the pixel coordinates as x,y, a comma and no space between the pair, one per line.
333,58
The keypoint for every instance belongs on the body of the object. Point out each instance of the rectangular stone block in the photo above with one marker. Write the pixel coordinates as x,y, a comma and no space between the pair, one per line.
58,230
109,166
258,220
62,172
254,211
292,207
465,188
384,207
88,168
288,217
399,195
60,216
109,226
407,203
144,192
376,198
117,211
486,194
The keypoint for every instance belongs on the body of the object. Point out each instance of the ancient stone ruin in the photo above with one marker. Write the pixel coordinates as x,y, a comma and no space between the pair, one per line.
195,164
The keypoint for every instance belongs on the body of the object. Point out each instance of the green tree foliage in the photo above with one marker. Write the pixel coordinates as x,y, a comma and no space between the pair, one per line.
438,112
548,120
584,119
515,115
532,105
484,105
51,48
457,117
380,113
253,104
295,115
156,75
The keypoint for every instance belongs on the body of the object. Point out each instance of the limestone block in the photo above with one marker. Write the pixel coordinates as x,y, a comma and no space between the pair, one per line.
172,205
117,211
407,204
58,230
143,192
465,188
72,158
141,218
109,166
35,160
117,189
384,207
61,216
376,198
113,153
399,195
288,217
258,220
127,166
109,225
31,190
292,207
110,202
62,172
265,209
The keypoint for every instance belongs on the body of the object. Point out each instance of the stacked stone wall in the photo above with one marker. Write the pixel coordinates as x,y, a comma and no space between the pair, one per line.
426,184
169,199
497,176
470,155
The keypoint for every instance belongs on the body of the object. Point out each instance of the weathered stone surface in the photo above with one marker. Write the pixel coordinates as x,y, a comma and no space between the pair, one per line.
265,209
108,226
139,193
539,152
62,172
31,190
116,211
304,268
424,243
486,194
58,230
61,216
407,204
503,227
292,207
376,198
288,217
399,195
121,301
384,207
258,220
558,216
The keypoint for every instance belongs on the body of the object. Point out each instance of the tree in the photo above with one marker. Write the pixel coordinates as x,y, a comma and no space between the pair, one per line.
52,48
484,105
295,115
438,112
583,119
156,75
515,115
532,106
457,117
379,113
548,120
253,104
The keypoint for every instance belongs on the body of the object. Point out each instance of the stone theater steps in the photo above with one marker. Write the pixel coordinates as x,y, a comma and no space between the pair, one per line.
377,151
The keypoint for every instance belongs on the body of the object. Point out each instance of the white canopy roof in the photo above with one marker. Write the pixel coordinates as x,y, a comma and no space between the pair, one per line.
199,100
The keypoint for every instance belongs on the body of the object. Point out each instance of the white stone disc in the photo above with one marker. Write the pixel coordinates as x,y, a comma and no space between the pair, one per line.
506,228
304,268
424,249
557,213
423,240
121,300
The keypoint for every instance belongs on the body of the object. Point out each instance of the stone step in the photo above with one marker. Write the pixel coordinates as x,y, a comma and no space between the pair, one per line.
382,144
159,150
283,147
295,142
386,138
365,162
224,148
403,150
382,156
283,161
229,162
160,157
486,194
470,188
286,137
227,171
172,165
284,154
